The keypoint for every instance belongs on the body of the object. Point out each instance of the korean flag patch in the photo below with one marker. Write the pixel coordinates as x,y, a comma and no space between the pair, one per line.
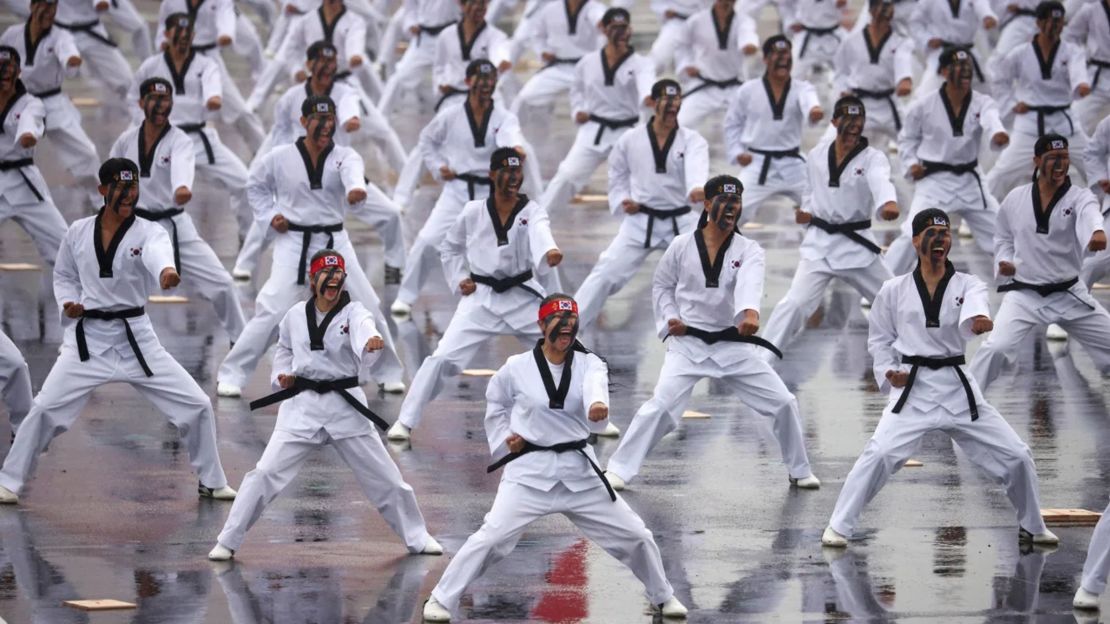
1057,144
565,306
331,261
322,107
729,189
126,176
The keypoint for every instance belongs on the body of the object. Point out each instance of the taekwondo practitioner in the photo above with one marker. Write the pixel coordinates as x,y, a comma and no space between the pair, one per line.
939,24
24,195
1044,229
15,382
816,31
1043,75
105,269
848,181
1097,157
611,88
50,56
423,22
876,65
324,346
457,145
763,129
565,31
106,63
167,163
939,149
920,323
716,47
707,290
537,429
198,91
302,191
1095,567
672,15
655,174
1018,24
1089,29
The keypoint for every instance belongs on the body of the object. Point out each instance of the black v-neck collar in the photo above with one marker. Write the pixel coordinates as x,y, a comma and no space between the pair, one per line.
932,304
502,229
572,18
193,10
722,31
1042,216
464,46
1045,64
316,332
875,50
177,76
315,173
19,92
712,268
610,73
778,107
478,129
660,154
329,29
836,170
146,156
954,120
954,7
104,257
308,89
556,395
1106,10
31,47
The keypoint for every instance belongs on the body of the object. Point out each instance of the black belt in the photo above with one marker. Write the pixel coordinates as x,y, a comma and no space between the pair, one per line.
966,168
503,284
87,28
605,123
42,95
770,155
450,92
1016,14
198,128
956,361
1043,290
563,447
323,386
657,213
472,181
1101,65
731,334
886,94
1044,111
343,75
18,165
822,32
203,47
560,61
158,215
113,315
432,30
849,229
306,240
720,84
966,47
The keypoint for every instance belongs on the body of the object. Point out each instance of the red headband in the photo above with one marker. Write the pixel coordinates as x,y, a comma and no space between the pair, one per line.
330,260
558,305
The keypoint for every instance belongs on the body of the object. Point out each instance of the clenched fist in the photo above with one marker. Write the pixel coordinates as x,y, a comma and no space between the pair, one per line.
598,412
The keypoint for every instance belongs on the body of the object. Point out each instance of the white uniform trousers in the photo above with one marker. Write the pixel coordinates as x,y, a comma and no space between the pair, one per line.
15,381
706,101
818,54
228,170
248,43
544,87
40,219
408,178
203,274
367,458
1096,265
234,110
1023,310
615,267
467,332
785,176
75,149
614,526
68,386
105,62
989,442
1097,565
1015,164
411,70
423,259
1015,31
807,290
278,294
580,163
901,257
664,49
378,128
753,380
1092,109
124,13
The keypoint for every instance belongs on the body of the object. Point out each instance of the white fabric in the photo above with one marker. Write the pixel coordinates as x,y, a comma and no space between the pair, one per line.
287,114
47,69
212,20
15,381
201,81
702,49
1097,564
855,70
449,69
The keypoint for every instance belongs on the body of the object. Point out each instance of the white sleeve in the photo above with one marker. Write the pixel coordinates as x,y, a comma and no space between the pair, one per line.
989,117
749,282
452,252
157,251
183,163
1088,218
441,63
363,328
283,353
983,10
347,107
32,120
540,239
352,170
261,187
595,388
878,179
431,142
356,38
747,34
903,61
735,119
1003,234
499,406
663,285
696,161
976,303
67,279
211,82
1097,154
1078,27
510,134
909,138
225,19
578,88
645,79
620,183
1077,68
882,332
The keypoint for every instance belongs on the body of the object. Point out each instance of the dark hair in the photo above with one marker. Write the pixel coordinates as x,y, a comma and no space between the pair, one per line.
310,104
846,101
769,44
613,13
147,86
483,66
316,49
113,166
660,86
1048,8
174,20
12,51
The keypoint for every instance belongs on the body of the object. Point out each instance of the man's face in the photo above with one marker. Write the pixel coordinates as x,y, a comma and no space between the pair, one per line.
157,106
482,84
933,244
507,179
9,72
122,193
1051,26
1053,164
668,103
780,62
849,125
960,71
882,13
319,127
724,209
560,329
324,66
327,283
475,10
42,14
181,37
618,33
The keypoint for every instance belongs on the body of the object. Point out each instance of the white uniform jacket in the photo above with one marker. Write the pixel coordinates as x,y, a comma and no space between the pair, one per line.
196,83
1050,81
755,121
24,115
171,164
44,66
457,139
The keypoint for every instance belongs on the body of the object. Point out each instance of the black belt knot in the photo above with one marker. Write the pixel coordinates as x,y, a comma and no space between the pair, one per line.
472,181
967,168
563,447
1101,65
503,284
159,215
731,334
885,94
936,363
560,61
450,92
660,213
112,315
323,386
18,165
87,28
813,30
604,123
1045,111
850,229
771,155
42,95
198,129
720,84
306,240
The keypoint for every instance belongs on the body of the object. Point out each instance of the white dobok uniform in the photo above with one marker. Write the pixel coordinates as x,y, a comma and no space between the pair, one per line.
1047,248
614,98
164,167
1097,565
667,46
432,17
1097,159
955,25
15,381
318,347
821,34
715,50
1089,29
510,258
98,50
314,201
97,351
660,182
545,482
947,145
566,36
843,196
710,295
771,131
906,323
1015,28
871,70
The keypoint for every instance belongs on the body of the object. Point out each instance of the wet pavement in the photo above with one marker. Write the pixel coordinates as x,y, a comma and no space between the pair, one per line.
112,510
